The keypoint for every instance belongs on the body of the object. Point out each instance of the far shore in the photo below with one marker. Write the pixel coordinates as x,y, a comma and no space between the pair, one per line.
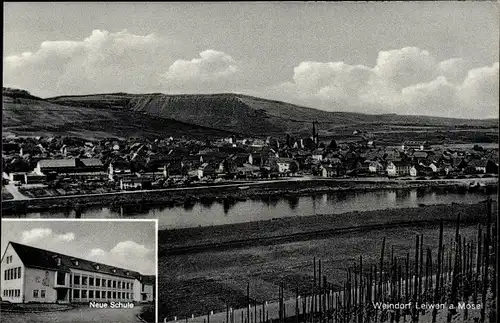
235,191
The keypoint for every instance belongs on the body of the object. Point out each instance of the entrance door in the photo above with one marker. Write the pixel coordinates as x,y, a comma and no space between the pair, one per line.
62,295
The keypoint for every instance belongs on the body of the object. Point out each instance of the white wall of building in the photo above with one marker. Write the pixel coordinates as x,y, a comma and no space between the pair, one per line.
38,280
12,284
120,293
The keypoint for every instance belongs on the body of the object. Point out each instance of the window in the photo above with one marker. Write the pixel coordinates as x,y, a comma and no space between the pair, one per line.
35,293
42,293
91,294
114,283
109,282
84,293
5,274
84,280
19,272
18,292
76,293
61,278
98,282
76,279
91,281
119,295
109,294
4,292
114,294
97,294
103,282
119,284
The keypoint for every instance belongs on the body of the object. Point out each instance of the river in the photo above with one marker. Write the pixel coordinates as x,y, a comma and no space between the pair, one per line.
211,212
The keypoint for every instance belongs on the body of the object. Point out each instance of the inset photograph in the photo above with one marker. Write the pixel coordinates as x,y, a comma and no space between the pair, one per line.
79,271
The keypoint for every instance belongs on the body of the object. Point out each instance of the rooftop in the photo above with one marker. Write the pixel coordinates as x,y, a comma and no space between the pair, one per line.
41,258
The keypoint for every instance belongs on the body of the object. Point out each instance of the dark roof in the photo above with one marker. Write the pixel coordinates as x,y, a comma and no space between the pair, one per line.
94,162
40,258
57,163
149,279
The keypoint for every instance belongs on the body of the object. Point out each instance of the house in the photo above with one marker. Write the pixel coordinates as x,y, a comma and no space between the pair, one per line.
68,166
34,178
287,165
18,177
317,155
484,166
135,183
119,168
397,168
420,170
207,170
32,274
328,171
375,167
248,171
435,167
257,159
420,155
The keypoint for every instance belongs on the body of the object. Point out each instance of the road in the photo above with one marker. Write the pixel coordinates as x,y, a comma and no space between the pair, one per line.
466,181
76,315
12,189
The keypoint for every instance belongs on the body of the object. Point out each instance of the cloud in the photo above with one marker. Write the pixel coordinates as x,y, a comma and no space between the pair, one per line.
212,65
35,234
97,252
45,234
102,62
405,81
70,236
127,254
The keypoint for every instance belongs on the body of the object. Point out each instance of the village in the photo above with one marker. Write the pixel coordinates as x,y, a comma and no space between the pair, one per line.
60,166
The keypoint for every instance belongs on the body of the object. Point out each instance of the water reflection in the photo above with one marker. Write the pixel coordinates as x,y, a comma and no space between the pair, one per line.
207,202
227,204
193,213
293,202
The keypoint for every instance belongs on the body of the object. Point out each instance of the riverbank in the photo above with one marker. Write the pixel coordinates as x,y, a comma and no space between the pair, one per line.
232,192
187,240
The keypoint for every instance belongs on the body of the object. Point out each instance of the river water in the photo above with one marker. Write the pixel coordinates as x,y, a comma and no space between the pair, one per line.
210,212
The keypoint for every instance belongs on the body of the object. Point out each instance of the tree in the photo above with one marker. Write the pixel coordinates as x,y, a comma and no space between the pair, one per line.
333,144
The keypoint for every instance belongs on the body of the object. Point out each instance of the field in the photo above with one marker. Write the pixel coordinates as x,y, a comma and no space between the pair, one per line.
195,283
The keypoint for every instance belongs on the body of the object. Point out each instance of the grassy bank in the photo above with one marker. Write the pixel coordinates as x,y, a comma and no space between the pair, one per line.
177,238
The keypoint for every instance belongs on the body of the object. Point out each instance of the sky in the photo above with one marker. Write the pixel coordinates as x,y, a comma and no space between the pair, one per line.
125,244
431,58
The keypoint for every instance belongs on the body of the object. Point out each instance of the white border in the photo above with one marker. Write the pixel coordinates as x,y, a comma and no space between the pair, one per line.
104,220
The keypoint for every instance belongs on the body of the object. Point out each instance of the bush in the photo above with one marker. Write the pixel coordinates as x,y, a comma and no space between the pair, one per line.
148,313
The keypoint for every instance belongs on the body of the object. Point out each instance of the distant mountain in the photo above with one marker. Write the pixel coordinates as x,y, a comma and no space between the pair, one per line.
25,114
249,115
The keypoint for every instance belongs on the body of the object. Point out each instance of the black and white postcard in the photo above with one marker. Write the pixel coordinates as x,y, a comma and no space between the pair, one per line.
306,162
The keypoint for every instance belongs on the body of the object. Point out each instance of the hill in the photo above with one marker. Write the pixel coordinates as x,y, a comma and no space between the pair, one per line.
24,114
251,115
